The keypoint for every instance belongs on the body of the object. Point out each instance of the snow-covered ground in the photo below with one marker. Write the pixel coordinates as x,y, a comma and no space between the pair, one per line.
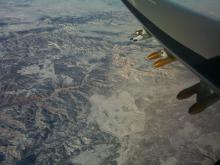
74,90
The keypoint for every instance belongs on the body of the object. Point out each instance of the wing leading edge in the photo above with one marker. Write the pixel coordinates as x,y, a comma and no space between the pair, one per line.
194,56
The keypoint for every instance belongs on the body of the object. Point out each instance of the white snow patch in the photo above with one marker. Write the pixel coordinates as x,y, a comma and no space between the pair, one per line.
117,114
46,71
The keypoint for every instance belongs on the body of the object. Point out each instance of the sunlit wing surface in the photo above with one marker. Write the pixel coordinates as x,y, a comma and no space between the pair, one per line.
190,31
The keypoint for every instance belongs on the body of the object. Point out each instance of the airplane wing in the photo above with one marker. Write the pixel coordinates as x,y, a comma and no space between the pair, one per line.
190,32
